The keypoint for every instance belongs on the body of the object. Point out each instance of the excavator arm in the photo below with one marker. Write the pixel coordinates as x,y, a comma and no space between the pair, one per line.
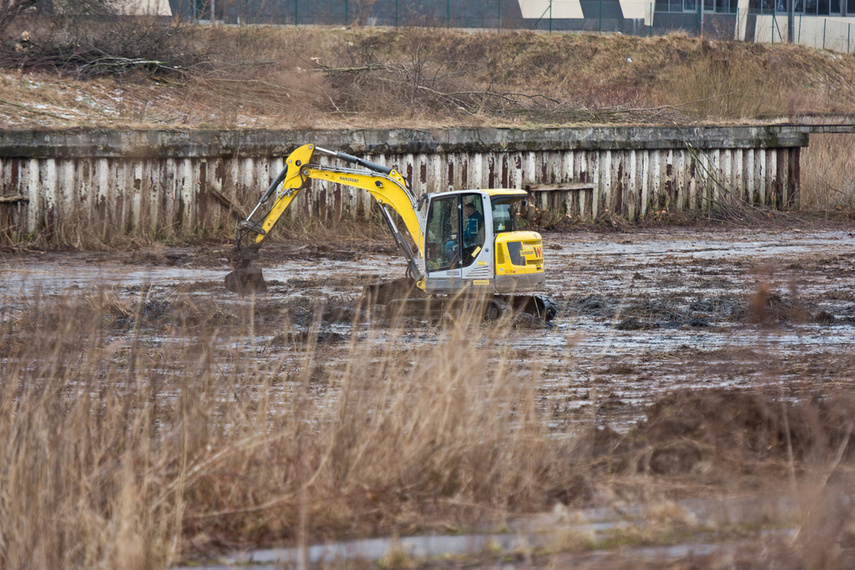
386,185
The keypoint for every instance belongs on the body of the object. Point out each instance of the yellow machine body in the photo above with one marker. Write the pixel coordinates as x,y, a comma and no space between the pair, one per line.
499,259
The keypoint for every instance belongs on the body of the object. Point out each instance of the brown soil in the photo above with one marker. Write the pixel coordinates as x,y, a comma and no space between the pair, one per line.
715,434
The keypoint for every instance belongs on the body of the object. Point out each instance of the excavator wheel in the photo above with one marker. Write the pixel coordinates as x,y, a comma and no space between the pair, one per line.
495,310
539,307
545,308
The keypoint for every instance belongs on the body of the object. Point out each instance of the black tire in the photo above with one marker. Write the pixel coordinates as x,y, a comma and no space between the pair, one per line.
495,310
546,308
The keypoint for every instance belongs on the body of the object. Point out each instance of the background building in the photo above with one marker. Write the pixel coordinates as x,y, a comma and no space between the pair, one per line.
819,23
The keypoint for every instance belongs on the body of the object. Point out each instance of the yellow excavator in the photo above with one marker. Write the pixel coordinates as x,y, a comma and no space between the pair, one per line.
467,243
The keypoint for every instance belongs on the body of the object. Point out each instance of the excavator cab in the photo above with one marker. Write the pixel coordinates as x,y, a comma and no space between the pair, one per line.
472,241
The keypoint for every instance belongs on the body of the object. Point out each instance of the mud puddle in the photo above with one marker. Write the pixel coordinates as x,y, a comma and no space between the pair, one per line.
591,533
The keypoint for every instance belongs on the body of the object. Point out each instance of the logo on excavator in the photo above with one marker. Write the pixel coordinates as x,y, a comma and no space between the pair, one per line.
538,251
346,179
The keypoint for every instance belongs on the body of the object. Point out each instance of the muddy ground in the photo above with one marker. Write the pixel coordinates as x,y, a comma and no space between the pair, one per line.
672,343
642,312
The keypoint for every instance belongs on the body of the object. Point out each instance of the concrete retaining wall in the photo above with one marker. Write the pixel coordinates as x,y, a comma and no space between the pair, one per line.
59,184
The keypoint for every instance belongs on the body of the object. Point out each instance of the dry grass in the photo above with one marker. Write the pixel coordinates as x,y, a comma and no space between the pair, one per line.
142,431
316,77
126,451
828,173
713,88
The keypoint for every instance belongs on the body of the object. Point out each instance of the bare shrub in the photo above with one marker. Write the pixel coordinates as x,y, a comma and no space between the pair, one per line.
86,38
13,10
414,84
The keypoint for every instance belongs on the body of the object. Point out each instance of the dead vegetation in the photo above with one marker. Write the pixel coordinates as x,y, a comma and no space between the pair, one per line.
132,451
86,38
828,174
312,77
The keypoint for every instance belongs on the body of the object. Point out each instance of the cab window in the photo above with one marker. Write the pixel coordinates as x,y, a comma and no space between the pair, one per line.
505,214
443,227
455,231
473,227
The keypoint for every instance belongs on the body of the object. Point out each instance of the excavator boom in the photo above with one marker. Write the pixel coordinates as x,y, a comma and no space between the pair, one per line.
387,186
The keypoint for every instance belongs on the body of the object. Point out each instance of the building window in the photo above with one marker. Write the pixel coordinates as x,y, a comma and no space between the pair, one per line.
678,6
806,7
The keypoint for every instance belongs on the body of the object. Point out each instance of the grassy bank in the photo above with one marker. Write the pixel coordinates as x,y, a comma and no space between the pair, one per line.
244,76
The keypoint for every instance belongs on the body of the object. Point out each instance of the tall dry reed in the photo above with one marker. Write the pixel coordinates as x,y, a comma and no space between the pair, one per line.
132,441
828,173
718,86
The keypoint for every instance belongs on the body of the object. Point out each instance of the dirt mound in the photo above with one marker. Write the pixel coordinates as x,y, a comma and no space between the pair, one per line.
718,432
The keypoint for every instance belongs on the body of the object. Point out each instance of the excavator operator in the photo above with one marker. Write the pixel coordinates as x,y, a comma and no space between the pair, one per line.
472,222
471,225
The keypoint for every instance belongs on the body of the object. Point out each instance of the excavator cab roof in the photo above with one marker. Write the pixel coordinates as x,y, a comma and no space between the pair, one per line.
506,192
492,192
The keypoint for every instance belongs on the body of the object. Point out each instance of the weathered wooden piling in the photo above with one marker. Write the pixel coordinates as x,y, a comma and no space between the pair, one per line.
174,183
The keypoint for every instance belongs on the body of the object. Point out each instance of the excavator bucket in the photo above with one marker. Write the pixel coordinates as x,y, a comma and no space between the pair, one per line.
246,279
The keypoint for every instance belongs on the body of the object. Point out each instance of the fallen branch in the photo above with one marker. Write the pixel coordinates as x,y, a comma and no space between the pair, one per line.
356,69
13,199
119,65
234,209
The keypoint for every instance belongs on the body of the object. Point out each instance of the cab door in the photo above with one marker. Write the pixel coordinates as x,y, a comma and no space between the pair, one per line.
476,261
442,244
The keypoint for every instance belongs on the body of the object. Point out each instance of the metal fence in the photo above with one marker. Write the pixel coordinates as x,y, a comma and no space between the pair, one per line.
634,17
545,15
440,13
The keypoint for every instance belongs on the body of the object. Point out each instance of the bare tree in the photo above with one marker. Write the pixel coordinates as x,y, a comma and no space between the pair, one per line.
87,38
